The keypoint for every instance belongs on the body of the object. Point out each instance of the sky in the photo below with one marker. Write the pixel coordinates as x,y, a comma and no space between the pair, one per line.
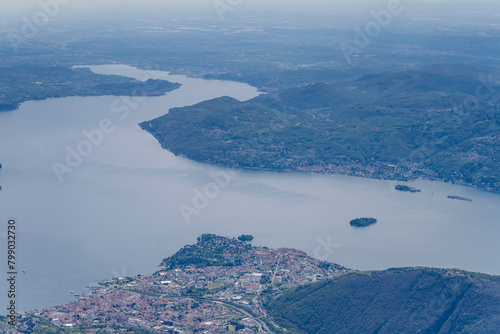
19,8
35,3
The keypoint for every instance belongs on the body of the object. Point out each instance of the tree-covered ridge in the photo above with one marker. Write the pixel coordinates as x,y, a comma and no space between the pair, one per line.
408,125
24,83
408,300
210,250
214,250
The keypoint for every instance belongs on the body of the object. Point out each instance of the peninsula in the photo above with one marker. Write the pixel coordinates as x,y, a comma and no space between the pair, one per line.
45,82
222,285
398,126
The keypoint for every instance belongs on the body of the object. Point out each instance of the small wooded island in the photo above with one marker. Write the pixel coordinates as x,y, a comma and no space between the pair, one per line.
460,198
401,187
245,238
363,222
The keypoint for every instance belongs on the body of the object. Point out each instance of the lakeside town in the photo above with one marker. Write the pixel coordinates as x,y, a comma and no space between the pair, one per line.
218,285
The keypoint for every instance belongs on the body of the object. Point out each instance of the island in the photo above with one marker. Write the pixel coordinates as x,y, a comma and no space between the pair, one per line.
222,285
460,198
245,238
363,222
401,187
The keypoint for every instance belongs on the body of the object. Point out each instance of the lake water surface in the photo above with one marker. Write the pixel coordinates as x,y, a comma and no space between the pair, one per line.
117,213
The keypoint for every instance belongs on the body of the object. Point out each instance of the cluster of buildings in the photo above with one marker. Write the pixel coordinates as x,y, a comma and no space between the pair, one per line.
117,309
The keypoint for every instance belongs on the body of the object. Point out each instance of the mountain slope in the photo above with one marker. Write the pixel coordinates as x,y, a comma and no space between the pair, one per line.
409,300
407,125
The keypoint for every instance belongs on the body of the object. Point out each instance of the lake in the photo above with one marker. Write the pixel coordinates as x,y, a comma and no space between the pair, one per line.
128,204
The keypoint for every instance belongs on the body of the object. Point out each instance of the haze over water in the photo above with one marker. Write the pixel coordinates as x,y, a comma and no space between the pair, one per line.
118,213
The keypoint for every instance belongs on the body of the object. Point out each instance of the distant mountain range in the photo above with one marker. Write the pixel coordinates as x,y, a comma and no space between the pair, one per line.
438,122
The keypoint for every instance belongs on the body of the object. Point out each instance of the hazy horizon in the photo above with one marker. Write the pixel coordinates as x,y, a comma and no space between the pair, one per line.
13,6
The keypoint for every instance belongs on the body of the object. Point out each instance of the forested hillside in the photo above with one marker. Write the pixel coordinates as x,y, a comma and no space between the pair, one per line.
399,125
410,300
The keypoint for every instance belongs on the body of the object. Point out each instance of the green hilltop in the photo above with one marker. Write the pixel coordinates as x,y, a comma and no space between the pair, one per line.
210,250
405,300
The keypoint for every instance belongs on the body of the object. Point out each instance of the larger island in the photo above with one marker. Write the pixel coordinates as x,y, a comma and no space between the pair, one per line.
222,285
